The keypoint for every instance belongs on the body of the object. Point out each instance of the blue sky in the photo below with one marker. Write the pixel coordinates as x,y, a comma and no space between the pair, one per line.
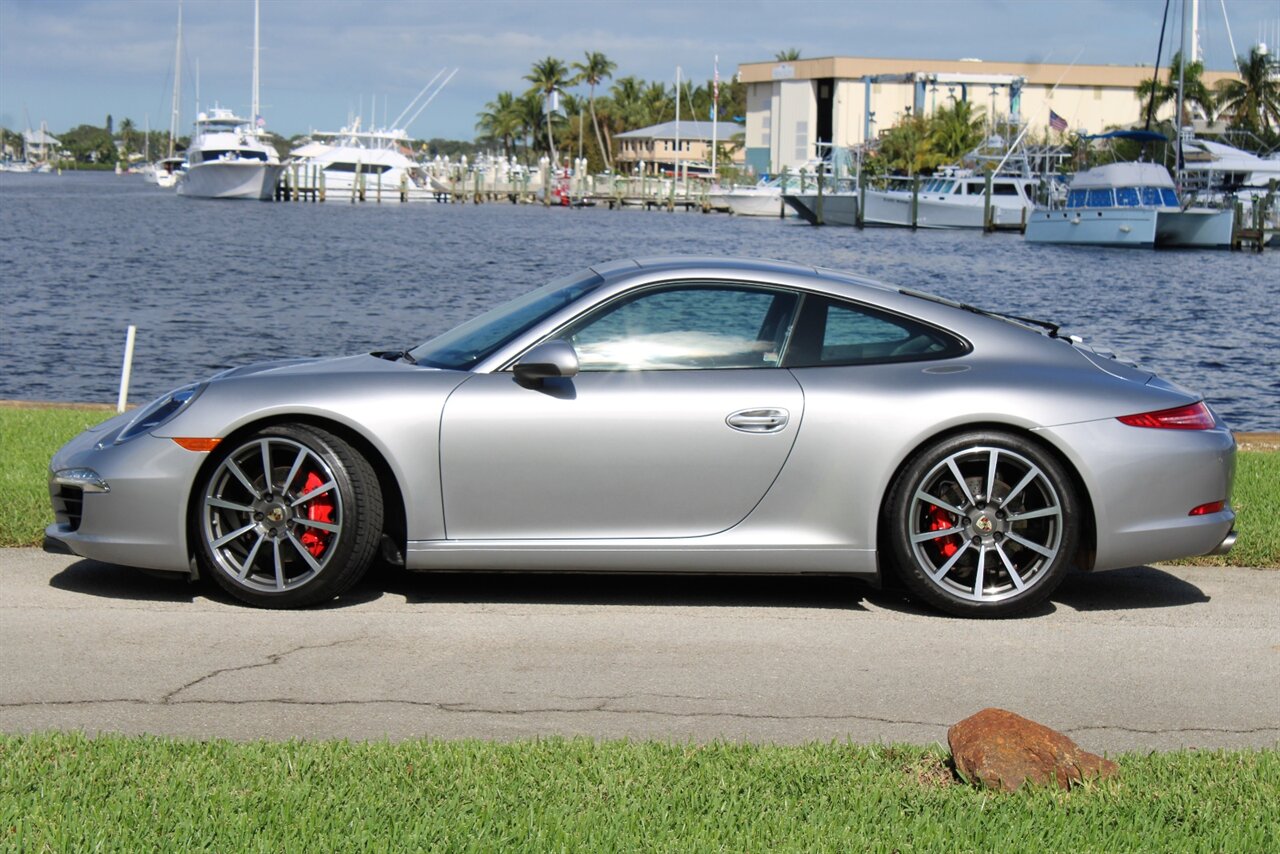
74,61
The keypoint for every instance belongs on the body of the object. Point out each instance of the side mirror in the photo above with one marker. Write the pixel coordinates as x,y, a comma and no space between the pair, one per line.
548,359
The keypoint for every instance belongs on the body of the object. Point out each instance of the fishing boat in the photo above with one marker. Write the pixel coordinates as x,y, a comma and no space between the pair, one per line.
994,186
954,197
762,199
376,159
350,157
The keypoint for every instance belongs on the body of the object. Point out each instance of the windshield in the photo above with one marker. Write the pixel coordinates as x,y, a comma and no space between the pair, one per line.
463,347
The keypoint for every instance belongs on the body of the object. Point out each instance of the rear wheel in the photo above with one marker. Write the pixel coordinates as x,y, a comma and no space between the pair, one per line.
288,517
983,524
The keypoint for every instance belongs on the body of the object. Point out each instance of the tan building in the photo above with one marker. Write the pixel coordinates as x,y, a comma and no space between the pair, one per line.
792,106
656,145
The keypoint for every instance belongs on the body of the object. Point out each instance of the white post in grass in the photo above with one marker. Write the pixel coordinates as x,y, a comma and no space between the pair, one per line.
126,368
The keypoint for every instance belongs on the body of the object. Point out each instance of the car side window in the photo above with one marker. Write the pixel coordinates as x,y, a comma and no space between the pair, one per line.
833,332
686,327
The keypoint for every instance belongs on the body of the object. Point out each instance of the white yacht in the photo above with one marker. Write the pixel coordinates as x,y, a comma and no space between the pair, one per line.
1129,204
762,199
232,157
229,158
378,158
1216,166
952,198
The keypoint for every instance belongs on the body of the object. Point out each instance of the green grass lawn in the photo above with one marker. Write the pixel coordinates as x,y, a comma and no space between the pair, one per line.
1256,498
29,436
66,792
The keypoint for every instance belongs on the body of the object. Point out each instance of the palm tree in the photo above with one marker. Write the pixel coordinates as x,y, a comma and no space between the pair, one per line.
531,115
956,130
791,54
501,120
657,101
628,102
549,76
907,147
1193,89
1254,100
126,134
594,71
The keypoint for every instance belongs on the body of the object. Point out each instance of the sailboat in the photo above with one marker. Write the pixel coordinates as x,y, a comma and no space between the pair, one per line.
167,171
231,157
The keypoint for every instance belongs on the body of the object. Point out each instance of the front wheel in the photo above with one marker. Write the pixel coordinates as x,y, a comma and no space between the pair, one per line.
288,517
983,524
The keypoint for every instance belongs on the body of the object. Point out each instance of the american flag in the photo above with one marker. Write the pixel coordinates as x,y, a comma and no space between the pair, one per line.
1057,122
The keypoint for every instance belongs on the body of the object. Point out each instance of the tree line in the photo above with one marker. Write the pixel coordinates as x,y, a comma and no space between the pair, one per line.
527,125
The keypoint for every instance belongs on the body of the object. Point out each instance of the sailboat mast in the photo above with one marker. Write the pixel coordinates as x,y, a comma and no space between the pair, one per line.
176,113
1196,55
253,110
715,116
676,177
1182,52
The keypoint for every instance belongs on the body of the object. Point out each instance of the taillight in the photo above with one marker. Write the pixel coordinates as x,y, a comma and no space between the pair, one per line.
1196,416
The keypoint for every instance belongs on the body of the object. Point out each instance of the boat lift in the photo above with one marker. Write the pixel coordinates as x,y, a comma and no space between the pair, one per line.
925,81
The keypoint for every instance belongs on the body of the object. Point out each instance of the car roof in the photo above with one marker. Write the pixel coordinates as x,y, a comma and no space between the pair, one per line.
745,266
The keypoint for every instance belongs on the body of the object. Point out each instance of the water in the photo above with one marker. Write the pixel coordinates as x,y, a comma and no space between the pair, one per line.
212,284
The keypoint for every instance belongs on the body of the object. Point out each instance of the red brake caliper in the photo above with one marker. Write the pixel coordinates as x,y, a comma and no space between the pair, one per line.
319,509
940,520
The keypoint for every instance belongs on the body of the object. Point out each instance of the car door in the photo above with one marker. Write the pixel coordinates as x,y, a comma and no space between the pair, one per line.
676,425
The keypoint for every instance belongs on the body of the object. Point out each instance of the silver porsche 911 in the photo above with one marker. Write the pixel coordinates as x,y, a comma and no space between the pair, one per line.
671,415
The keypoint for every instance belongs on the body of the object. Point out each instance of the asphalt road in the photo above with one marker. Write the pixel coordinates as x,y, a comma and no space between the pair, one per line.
1146,658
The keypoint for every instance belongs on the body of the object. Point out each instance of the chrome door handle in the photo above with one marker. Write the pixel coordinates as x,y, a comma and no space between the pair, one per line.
758,420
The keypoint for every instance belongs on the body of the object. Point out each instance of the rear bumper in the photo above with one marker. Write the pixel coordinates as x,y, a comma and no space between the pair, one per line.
1142,485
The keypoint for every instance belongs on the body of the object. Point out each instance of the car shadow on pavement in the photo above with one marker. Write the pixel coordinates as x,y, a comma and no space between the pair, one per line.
1114,590
1135,588
736,591
112,581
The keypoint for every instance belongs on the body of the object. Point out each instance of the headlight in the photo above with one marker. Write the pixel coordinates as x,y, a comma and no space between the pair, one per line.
160,410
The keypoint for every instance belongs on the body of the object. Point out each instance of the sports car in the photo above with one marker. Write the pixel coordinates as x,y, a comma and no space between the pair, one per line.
669,415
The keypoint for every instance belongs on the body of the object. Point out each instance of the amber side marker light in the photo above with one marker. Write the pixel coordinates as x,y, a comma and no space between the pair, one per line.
194,444
1193,417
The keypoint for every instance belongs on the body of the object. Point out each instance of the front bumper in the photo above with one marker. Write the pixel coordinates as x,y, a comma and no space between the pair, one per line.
140,520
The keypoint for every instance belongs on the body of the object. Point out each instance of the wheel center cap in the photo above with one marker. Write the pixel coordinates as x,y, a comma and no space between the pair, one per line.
983,524
275,514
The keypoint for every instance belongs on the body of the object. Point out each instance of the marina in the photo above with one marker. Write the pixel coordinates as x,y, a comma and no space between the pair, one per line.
268,281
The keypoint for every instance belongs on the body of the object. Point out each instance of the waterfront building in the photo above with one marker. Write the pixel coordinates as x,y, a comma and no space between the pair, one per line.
655,146
794,106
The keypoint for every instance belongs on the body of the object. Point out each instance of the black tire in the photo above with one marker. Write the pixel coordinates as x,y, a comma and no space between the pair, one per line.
1003,543
305,537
